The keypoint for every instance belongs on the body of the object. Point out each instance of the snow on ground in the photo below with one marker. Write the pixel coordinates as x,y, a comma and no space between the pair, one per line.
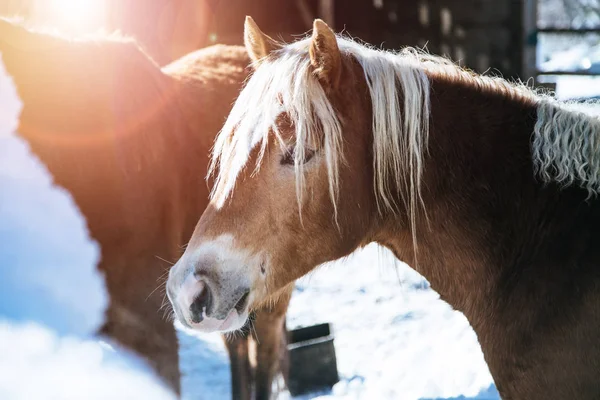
581,56
52,299
37,363
204,365
394,337
577,87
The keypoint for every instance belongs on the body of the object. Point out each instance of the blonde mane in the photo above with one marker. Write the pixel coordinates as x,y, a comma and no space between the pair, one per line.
564,144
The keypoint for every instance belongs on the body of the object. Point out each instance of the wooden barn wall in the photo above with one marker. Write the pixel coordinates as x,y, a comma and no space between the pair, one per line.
481,34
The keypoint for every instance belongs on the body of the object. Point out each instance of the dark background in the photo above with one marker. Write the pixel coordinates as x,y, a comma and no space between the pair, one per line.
479,34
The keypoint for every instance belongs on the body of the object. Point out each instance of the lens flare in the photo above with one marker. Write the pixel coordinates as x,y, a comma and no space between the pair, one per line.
74,16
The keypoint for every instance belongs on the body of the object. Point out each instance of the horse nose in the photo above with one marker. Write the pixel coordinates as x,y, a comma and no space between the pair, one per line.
202,303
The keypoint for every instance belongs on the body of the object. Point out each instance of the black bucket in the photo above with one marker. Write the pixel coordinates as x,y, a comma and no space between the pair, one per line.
313,365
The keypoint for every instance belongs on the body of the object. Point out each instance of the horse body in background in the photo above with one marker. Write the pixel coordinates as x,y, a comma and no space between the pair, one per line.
131,143
484,187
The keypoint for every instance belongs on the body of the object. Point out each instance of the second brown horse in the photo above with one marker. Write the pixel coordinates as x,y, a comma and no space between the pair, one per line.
131,142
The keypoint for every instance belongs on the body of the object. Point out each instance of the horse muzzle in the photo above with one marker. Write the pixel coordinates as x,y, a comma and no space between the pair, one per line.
210,292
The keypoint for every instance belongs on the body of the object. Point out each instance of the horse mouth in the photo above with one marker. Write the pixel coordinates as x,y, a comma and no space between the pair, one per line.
241,304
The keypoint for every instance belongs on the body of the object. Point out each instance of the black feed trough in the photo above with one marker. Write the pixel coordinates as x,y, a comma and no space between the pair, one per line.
313,364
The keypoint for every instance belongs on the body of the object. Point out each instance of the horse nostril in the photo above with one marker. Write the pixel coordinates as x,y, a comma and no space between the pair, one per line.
201,305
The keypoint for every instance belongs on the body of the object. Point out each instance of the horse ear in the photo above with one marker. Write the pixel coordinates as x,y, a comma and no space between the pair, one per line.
325,55
258,45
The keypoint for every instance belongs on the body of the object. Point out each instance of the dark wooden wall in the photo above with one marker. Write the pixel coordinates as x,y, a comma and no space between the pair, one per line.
480,34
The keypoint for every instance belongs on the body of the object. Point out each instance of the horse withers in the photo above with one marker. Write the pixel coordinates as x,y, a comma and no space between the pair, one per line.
485,187
130,141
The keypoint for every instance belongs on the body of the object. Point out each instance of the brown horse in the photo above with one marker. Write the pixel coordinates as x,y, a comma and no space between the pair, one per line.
131,143
483,186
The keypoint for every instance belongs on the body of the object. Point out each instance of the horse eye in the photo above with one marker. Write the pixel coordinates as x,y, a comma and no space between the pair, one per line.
288,157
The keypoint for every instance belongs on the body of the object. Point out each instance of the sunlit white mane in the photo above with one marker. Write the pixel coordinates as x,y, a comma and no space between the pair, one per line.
565,145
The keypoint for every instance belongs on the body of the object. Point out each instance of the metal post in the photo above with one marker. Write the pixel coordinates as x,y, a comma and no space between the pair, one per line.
529,39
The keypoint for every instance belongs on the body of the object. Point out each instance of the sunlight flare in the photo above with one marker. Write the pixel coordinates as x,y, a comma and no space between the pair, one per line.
73,16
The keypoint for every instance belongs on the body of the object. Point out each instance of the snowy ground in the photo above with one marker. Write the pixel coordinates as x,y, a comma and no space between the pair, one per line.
394,338
575,56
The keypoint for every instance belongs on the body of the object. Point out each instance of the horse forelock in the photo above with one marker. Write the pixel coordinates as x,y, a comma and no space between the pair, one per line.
281,85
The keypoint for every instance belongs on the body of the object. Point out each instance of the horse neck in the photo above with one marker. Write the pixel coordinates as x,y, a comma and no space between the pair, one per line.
478,184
